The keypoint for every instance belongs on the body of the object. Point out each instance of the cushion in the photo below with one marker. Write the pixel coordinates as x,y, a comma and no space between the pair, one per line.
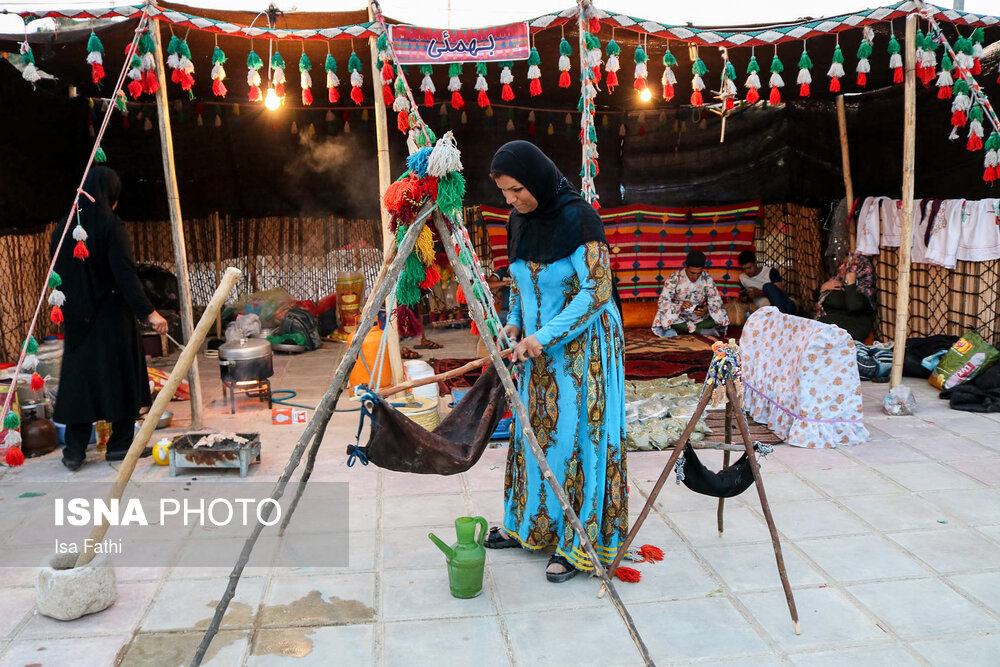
638,314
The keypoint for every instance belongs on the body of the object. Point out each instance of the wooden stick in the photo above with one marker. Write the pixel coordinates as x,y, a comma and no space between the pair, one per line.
845,163
163,398
906,233
741,421
441,377
725,464
477,312
176,224
218,268
313,430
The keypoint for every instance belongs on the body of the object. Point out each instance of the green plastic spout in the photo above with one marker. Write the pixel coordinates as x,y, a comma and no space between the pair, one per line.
448,551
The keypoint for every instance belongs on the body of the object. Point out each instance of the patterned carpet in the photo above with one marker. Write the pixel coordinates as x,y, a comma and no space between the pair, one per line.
648,357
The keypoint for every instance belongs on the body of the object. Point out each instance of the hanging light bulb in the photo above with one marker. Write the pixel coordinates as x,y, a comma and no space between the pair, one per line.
271,100
645,95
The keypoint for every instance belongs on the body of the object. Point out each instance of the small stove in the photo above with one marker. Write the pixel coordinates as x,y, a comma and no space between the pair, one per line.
223,451
246,368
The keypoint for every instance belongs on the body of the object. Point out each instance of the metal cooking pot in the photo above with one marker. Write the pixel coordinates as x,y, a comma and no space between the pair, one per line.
246,359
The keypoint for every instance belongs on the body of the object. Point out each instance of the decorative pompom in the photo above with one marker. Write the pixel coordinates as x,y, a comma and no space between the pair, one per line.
56,315
80,250
30,362
37,382
57,298
79,233
445,158
456,100
460,295
628,574
14,457
11,420
651,553
13,439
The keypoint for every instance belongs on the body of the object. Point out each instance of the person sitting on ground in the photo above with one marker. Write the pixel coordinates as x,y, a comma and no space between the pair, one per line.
848,299
761,285
690,302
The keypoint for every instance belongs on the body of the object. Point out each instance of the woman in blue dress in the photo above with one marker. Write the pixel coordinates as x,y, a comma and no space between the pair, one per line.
564,314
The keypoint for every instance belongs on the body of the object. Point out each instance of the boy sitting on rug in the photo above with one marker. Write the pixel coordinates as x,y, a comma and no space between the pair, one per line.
761,285
690,302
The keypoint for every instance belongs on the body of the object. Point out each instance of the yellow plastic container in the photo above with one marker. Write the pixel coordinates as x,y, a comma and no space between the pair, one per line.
369,352
161,451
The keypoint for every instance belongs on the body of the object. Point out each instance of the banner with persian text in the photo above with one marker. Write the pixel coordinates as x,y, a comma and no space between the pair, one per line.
430,46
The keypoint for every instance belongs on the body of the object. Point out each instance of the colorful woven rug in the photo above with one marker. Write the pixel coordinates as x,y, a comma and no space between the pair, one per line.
648,243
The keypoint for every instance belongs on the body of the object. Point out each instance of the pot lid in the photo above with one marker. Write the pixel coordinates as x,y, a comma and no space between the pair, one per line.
246,348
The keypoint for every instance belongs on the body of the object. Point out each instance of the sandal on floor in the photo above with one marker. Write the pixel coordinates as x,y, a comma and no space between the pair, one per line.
407,353
497,541
561,576
428,344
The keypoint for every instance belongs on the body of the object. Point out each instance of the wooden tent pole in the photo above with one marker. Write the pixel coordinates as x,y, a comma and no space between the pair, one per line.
719,520
384,181
845,162
906,233
176,222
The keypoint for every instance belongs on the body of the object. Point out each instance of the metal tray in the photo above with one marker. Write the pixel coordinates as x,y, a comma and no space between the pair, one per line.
288,348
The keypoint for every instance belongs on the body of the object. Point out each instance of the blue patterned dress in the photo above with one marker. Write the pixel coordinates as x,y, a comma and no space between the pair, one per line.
575,395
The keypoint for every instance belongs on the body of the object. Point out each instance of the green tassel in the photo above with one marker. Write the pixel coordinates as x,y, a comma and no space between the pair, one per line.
534,58
146,43
401,230
28,58
120,102
564,48
183,49
331,63
640,55
838,55
99,156
752,66
465,257
477,290
354,63
408,287
612,49
865,49
730,71
254,61
592,42
455,69
919,41
669,60
978,36
218,57
94,43
304,64
33,344
423,141
776,66
173,45
946,64
592,134
55,280
451,192
493,327
893,47
805,62
277,60
400,86
382,43
699,68
509,64
579,104
960,88
480,69
428,69
11,421
976,113
993,143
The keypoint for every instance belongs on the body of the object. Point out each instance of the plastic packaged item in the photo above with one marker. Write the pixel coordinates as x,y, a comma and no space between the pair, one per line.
967,358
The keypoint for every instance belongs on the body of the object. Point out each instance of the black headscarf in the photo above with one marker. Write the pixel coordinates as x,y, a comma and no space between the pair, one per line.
563,220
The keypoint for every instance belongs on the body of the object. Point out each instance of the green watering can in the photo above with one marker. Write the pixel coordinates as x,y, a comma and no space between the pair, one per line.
466,557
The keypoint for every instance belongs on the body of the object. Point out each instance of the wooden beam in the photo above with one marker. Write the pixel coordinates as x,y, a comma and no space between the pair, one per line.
384,181
176,222
845,164
906,230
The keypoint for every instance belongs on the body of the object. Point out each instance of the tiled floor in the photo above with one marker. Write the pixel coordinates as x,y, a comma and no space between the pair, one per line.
892,549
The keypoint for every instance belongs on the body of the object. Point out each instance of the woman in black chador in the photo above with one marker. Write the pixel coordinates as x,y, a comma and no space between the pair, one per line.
103,368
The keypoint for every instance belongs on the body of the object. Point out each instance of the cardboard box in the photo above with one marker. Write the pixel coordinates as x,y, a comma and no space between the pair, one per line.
286,416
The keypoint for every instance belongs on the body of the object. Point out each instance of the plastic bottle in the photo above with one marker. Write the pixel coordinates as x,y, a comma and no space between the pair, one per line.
966,371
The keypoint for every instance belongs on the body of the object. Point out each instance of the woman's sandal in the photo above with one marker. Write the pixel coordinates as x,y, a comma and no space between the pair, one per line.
559,577
497,541
428,344
407,353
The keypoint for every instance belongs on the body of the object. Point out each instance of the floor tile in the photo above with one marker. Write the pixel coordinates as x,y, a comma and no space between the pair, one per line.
92,651
183,604
950,551
814,518
950,448
312,646
175,649
701,527
827,617
980,507
892,655
927,476
903,428
462,641
897,512
984,586
752,567
319,599
780,487
885,451
966,422
410,548
678,575
122,616
850,482
523,587
922,607
986,471
969,651
426,510
545,638
861,558
15,605
425,594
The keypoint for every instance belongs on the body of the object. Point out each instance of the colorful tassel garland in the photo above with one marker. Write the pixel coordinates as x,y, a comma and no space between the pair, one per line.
254,63
135,75
401,104
482,99
960,106
455,85
357,80
565,51
278,73
150,84
945,80
29,72
612,65
963,52
991,161
534,73
836,70
14,456
975,141
594,55
427,84
977,38
895,59
628,574
179,61
864,53
776,82
805,76
753,81
669,79
698,70
218,72
37,382
729,91
95,57
641,69
332,81
506,78
928,58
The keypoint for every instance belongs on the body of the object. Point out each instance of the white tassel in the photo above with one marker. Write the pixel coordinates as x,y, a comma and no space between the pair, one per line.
445,158
961,103
218,121
977,51
30,73
668,77
135,74
836,71
332,80
253,77
218,71
427,84
506,76
641,70
776,81
79,233
593,58
95,57
454,84
612,65
895,61
278,76
564,63
57,298
591,91
697,83
400,104
944,79
991,159
186,65
531,116
753,81
173,61
480,83
13,438
864,67
730,87
148,62
976,129
592,152
30,362
804,77
356,79
534,72
305,79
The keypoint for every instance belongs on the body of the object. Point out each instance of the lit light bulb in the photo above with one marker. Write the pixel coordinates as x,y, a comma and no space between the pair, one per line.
645,95
271,100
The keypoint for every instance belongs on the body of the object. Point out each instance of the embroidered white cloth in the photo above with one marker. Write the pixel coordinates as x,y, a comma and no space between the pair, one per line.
801,378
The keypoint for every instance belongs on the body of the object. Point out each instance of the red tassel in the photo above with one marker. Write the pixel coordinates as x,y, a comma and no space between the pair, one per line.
507,94
696,100
804,90
279,90
474,330
944,93
862,79
565,81
975,143
753,96
175,76
484,99
628,574
651,553
307,96
254,94
977,67
775,96
97,72
14,457
135,89
428,98
729,104
56,315
431,277
927,76
536,87
150,83
456,100
596,204
356,95
639,83
897,75
387,74
80,250
333,95
958,118
403,121
990,174
835,85
460,295
531,128
387,96
37,382
668,92
611,81
218,88
595,25
597,74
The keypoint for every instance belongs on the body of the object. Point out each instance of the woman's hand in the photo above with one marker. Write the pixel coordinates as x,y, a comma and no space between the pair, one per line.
513,331
831,285
529,348
157,322
851,278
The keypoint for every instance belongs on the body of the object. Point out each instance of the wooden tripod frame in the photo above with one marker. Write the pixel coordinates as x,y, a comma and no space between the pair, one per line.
734,405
